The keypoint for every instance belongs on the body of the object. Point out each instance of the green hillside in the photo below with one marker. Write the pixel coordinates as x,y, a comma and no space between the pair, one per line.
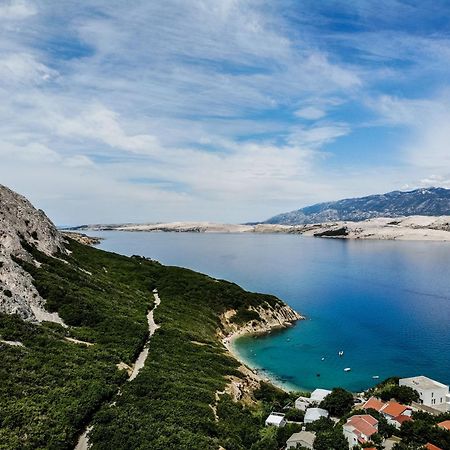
52,388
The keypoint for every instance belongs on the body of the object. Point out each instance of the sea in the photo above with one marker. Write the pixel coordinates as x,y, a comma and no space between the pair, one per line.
384,304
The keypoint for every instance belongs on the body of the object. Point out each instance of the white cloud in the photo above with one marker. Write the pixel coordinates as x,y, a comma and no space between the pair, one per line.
310,113
16,9
24,68
101,123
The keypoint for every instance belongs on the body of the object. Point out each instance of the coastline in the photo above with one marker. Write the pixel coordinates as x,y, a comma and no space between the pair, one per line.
409,228
250,370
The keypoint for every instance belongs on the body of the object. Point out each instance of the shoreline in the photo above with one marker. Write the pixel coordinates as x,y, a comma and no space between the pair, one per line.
228,342
408,228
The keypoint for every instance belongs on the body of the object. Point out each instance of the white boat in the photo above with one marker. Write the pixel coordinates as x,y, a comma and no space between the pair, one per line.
347,369
375,377
341,353
323,359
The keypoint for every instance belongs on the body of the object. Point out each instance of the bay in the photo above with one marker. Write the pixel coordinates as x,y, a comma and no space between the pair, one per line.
386,304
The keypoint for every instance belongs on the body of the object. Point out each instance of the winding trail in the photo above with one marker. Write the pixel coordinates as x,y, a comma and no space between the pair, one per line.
83,441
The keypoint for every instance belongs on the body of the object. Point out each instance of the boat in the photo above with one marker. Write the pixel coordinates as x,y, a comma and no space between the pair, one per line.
347,369
323,359
341,353
375,377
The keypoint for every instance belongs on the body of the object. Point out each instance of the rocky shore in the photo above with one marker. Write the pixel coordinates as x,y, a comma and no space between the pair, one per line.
82,238
271,318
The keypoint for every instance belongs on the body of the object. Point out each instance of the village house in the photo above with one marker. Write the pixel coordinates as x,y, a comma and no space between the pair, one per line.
317,396
313,414
302,438
430,446
445,425
395,413
359,429
276,419
431,393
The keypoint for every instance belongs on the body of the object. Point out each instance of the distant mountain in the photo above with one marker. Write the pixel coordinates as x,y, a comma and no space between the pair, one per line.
421,202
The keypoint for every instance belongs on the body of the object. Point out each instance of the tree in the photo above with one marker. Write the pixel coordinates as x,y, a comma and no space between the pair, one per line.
403,394
323,424
330,440
338,403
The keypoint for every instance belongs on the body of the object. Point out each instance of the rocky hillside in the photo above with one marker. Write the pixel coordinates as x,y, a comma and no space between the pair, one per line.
420,202
21,228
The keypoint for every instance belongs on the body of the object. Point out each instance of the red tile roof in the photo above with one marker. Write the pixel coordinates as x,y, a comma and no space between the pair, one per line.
363,424
373,403
445,424
431,447
401,419
393,409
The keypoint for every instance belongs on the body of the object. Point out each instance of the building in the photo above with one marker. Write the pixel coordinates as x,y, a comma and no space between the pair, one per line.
431,393
359,429
313,414
395,413
389,443
318,395
445,425
303,438
276,419
430,446
302,403
373,403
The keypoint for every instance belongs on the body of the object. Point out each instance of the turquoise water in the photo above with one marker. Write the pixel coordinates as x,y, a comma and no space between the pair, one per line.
386,304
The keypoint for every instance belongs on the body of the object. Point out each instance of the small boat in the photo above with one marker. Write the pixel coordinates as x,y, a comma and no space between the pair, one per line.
375,377
347,369
323,358
317,374
341,353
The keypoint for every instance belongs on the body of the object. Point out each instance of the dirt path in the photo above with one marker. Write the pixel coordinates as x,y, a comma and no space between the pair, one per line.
83,441
152,327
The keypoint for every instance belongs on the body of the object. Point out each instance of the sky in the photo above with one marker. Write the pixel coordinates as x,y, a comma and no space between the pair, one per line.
220,110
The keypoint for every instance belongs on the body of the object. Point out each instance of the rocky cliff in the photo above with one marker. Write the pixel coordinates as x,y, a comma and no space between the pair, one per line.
21,227
270,318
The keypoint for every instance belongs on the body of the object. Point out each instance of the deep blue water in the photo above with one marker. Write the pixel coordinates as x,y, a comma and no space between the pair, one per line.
385,303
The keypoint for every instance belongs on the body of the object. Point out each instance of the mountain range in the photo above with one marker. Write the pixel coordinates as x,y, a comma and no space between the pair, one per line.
418,202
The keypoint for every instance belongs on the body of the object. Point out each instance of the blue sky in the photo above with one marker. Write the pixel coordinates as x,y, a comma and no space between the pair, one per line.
220,110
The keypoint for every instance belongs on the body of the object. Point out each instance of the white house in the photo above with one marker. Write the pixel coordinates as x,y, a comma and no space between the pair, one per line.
302,438
318,395
431,393
302,403
359,429
313,414
276,419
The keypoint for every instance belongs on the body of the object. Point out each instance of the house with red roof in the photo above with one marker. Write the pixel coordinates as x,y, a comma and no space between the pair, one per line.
445,425
358,429
395,413
430,446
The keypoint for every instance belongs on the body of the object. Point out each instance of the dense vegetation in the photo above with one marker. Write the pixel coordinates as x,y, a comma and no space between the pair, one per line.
51,388
390,389
338,403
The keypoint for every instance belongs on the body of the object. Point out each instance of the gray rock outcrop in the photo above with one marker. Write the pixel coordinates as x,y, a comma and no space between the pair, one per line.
23,226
